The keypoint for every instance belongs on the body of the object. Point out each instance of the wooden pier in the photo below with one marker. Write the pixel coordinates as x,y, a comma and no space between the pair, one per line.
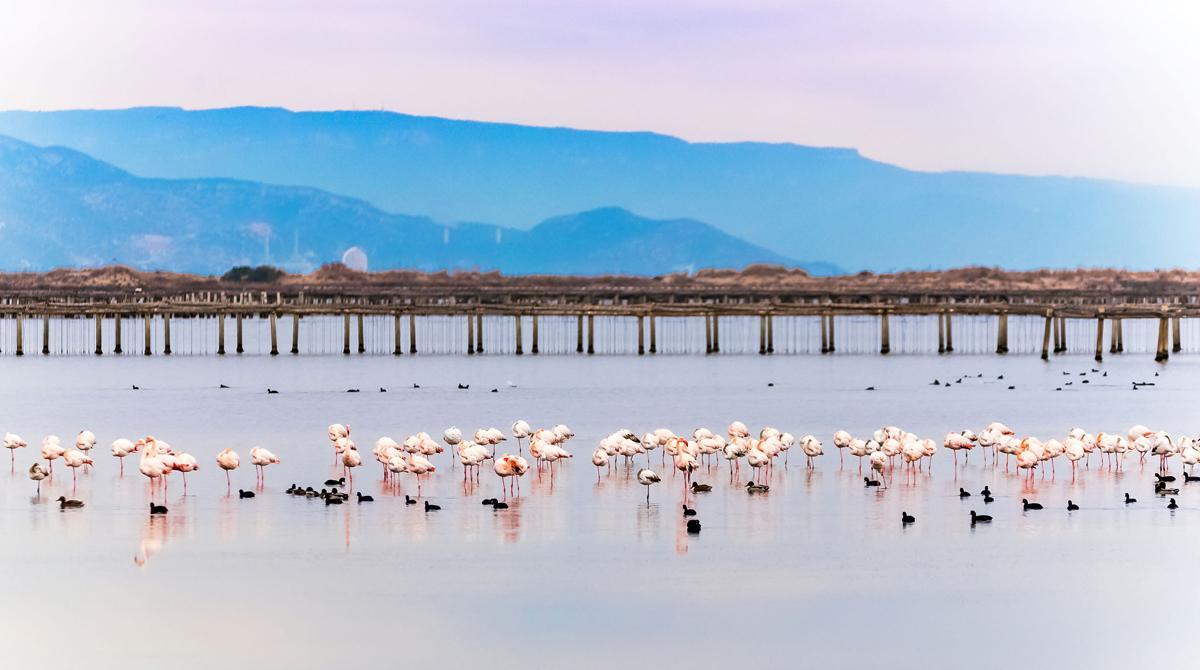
648,302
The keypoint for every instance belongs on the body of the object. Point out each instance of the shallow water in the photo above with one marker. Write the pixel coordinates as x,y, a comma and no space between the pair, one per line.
818,571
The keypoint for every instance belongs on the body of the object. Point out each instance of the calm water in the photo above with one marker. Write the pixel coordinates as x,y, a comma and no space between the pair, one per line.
817,572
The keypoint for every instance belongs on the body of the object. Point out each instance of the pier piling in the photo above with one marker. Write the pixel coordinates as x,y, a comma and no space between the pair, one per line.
533,347
412,333
166,333
885,342
274,335
239,348
117,324
520,349
220,335
1100,336
20,337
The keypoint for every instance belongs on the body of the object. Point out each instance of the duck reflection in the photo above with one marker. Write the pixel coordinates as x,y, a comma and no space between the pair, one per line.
157,531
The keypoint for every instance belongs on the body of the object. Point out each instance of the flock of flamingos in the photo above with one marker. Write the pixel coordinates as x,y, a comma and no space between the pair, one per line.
546,446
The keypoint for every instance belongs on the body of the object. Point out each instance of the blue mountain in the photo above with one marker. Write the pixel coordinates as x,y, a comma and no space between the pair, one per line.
61,207
799,202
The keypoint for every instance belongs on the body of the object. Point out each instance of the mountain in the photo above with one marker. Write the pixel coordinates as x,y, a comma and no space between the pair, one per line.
61,207
798,201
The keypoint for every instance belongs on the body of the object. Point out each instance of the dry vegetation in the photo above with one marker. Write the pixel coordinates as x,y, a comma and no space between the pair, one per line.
333,277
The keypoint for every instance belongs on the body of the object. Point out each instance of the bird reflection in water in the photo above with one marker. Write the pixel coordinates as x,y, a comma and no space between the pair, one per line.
156,532
509,522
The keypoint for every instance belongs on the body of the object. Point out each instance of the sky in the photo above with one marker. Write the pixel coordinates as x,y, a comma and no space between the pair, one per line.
1074,87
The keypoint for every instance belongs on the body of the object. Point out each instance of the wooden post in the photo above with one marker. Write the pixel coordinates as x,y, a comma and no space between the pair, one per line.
470,334
1161,354
1062,333
591,347
412,333
1176,339
274,335
716,321
239,348
708,334
533,348
885,344
653,335
833,336
941,316
949,332
1120,336
824,335
579,334
296,332
770,333
1002,333
146,335
1112,335
762,334
1100,335
45,334
220,334
345,332
520,344
99,322
396,348
20,337
362,343
479,333
117,323
641,335
1046,335
167,334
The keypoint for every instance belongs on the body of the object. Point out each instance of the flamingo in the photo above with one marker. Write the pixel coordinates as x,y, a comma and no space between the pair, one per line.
261,458
37,473
52,449
646,477
599,459
336,433
520,430
841,440
228,460
12,442
185,463
419,465
1074,451
74,458
386,448
122,447
151,466
85,441
812,448
452,436
878,460
505,468
350,460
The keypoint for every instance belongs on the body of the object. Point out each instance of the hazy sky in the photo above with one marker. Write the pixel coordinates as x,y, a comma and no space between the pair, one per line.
1077,87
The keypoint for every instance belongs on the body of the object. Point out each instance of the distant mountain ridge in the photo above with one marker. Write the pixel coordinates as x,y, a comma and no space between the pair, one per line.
60,207
797,201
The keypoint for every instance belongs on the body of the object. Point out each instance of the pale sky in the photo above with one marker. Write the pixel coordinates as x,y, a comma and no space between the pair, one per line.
1076,87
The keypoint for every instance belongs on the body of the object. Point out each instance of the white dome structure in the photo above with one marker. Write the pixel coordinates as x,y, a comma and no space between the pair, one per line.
355,259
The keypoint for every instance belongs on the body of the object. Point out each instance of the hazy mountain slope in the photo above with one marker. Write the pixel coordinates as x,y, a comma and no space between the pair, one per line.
800,201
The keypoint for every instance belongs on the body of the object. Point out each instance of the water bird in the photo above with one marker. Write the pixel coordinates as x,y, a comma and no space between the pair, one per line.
770,384
271,391
489,501
751,487
988,499
410,501
261,458
245,494
37,473
1011,388
906,518
868,482
963,493
1172,504
1072,507
222,386
340,481
431,507
333,500
1163,491
1164,478
986,491
1190,478
228,460
362,498
351,390
382,390
1028,505
646,477
495,390
693,526
688,511
157,509
499,505
135,387
1129,500
1000,377
63,503
979,518
463,387
870,388
935,382
705,488
416,386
